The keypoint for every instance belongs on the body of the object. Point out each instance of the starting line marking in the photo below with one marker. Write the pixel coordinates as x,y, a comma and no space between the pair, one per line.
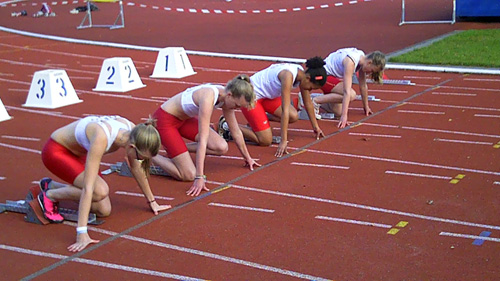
453,94
462,141
241,207
98,263
421,112
141,195
353,221
20,138
418,175
374,135
486,115
320,165
475,237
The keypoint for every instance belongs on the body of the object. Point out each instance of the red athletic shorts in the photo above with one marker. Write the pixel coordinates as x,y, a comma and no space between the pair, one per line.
257,117
62,162
172,130
331,82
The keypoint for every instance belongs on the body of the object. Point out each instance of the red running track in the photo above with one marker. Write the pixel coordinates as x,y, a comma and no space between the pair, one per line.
323,212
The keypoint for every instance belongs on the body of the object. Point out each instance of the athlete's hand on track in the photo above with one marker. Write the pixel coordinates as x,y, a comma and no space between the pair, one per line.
156,208
368,111
82,241
250,163
197,187
343,122
319,133
281,149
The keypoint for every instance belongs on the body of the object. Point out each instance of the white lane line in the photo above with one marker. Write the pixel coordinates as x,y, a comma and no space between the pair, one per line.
20,148
320,165
417,175
230,157
482,79
364,207
241,207
460,235
496,182
389,91
421,112
375,135
422,77
141,195
20,138
453,94
462,141
446,105
432,130
403,162
2,178
98,263
486,115
206,254
41,112
354,222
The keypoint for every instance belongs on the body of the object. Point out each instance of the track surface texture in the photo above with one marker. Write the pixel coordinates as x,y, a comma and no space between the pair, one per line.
408,193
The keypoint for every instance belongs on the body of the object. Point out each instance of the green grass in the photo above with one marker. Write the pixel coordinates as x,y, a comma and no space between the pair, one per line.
480,48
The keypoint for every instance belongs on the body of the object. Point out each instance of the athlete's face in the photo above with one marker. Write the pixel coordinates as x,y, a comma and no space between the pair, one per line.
306,84
370,68
233,102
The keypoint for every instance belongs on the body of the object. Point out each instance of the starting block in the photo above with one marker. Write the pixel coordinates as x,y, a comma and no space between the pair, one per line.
34,214
124,170
172,62
87,20
118,75
51,89
385,81
4,116
370,98
324,115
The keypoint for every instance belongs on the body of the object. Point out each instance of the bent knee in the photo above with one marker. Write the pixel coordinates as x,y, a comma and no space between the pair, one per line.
222,148
352,95
103,212
100,194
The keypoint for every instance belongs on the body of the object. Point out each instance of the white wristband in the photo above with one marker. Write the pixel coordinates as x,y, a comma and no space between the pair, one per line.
81,229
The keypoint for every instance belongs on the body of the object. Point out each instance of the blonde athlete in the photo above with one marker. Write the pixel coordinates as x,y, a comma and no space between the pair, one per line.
74,153
187,115
341,65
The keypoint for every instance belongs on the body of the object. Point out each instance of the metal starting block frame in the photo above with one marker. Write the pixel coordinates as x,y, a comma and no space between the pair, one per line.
124,170
386,81
33,211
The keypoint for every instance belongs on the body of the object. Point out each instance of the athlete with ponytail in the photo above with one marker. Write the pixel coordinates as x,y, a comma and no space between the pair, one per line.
273,87
187,115
74,153
341,65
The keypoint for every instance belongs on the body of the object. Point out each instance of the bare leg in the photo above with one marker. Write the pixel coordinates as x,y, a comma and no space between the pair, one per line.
101,204
181,167
263,138
216,145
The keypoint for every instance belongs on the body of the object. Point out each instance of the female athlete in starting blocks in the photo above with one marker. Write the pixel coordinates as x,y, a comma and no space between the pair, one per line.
341,65
273,87
187,115
74,152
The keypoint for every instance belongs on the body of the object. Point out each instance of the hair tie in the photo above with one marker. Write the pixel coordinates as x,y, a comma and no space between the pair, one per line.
318,77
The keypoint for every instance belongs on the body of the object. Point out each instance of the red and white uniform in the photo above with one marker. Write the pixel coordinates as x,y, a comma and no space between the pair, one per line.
335,67
172,130
64,163
267,87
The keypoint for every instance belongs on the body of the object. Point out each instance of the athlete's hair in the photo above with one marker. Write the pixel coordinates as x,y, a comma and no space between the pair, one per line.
378,59
240,86
316,71
145,137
